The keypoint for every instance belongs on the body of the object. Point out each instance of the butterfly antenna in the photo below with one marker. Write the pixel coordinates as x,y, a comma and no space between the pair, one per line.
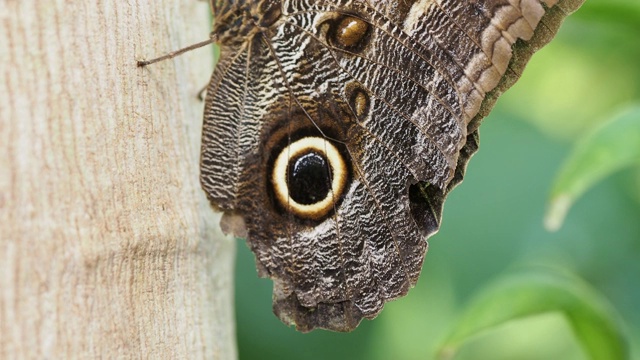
143,63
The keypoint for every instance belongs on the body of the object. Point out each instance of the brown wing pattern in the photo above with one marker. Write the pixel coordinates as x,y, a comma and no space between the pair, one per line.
398,89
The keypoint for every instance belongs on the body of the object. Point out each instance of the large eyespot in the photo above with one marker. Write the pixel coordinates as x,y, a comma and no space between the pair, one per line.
308,177
350,33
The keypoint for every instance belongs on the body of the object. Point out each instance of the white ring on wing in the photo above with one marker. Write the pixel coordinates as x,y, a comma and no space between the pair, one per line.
296,149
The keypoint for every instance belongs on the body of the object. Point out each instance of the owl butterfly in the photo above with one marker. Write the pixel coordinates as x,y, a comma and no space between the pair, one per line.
333,131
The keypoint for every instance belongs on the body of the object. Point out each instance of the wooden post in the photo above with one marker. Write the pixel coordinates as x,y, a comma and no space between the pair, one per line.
108,247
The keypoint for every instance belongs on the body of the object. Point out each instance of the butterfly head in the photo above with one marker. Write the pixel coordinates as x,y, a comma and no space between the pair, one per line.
237,20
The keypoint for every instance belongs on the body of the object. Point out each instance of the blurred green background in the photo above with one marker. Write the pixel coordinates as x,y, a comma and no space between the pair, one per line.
493,222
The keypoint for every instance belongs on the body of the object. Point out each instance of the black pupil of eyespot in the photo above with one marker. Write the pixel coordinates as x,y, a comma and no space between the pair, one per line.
308,178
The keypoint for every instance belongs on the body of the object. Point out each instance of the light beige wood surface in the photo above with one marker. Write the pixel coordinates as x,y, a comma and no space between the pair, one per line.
108,247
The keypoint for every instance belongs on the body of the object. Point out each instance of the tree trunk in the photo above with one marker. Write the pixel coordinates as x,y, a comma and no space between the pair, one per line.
108,246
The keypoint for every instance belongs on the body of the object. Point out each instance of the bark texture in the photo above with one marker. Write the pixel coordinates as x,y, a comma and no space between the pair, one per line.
108,247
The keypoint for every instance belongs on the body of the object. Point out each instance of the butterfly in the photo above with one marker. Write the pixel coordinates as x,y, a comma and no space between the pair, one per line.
334,130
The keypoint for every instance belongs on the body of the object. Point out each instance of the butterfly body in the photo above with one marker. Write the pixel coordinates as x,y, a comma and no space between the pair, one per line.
333,131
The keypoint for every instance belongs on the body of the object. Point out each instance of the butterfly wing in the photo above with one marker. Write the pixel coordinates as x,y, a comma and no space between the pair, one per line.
333,131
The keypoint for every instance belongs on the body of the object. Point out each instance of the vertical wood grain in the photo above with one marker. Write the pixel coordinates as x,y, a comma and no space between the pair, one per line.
108,247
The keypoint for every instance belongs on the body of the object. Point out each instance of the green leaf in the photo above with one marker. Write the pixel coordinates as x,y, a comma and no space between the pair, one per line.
611,147
593,321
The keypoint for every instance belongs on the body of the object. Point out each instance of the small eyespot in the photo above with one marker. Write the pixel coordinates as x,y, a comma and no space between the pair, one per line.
360,102
308,177
358,99
350,33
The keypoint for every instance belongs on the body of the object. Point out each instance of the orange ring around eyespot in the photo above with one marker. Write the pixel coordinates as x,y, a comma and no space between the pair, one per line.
279,176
